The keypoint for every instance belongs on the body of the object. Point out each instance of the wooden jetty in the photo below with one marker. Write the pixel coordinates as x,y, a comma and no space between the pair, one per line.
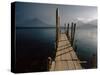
66,58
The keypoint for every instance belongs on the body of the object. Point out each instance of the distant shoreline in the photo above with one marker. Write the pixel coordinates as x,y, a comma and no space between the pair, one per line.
36,27
51,27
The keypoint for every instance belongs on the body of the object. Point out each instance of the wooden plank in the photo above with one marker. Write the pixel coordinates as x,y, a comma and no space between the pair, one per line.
76,61
73,54
58,66
58,58
66,58
77,65
64,65
61,44
71,65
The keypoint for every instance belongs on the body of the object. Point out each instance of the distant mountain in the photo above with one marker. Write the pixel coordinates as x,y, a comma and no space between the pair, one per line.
90,24
93,22
80,23
35,23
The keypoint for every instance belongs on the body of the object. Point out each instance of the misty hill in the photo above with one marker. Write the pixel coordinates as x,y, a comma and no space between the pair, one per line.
90,24
93,22
35,23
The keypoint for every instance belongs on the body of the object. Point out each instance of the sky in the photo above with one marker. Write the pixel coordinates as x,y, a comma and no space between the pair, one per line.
47,13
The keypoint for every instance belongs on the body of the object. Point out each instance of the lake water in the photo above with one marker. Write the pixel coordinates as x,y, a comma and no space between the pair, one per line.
40,43
86,41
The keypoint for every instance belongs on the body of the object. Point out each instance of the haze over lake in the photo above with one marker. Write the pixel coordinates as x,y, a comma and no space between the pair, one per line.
36,32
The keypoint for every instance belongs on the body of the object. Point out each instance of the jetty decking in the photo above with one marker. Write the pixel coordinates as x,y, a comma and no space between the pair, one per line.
66,58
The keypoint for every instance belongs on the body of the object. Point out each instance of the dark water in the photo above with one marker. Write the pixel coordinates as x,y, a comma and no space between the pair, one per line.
38,44
34,46
35,40
86,42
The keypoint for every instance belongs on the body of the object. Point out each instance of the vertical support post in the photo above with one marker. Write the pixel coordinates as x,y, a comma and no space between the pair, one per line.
68,30
57,27
49,63
71,33
65,29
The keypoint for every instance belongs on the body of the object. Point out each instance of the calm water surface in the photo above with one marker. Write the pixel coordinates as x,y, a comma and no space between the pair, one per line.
39,43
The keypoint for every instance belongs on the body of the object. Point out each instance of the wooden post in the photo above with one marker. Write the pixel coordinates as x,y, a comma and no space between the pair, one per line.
57,27
65,29
49,63
71,33
68,30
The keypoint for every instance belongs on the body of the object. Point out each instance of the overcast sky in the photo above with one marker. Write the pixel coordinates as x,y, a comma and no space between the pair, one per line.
47,12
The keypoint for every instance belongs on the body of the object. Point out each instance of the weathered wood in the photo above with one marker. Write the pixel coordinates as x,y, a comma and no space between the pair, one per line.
72,25
73,37
68,31
57,27
52,66
65,28
66,58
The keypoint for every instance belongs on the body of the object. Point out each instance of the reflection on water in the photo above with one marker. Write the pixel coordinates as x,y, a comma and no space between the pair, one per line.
86,41
33,44
86,45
